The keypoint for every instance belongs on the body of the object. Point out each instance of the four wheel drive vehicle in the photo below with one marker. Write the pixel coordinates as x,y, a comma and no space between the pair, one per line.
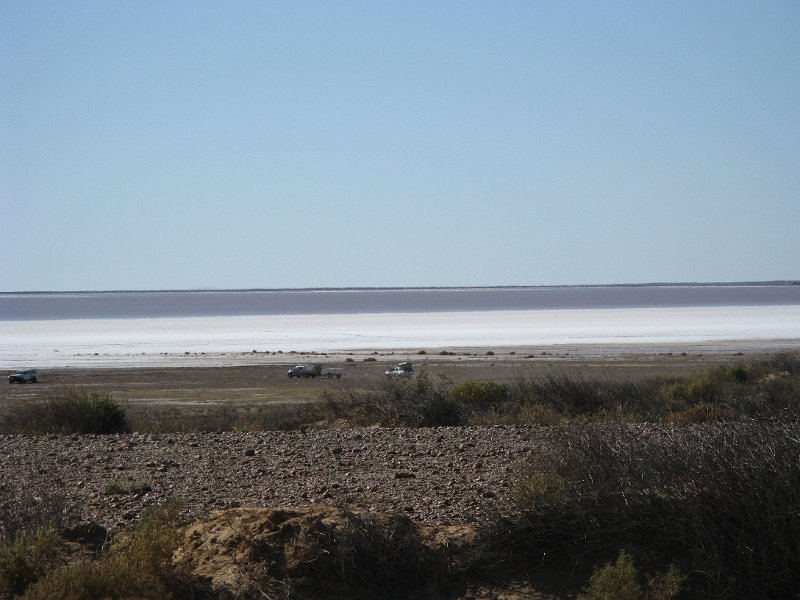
29,376
315,371
404,370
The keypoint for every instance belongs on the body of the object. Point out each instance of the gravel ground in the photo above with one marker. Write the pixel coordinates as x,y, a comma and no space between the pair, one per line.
436,476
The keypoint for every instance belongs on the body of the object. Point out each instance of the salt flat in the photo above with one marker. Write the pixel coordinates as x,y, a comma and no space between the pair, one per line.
119,342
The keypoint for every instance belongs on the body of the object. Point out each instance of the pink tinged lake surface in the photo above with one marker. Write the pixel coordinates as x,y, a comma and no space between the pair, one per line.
147,341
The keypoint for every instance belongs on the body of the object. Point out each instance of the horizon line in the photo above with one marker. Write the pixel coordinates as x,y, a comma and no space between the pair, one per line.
775,282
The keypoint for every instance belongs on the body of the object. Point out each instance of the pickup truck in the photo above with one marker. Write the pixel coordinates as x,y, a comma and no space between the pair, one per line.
28,376
315,371
404,370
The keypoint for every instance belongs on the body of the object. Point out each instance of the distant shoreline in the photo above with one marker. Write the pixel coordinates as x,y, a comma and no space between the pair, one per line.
771,283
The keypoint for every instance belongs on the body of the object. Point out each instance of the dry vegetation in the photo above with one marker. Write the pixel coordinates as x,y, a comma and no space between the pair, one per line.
665,485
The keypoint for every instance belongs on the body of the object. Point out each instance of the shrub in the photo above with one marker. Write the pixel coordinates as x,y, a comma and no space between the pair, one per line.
27,557
365,557
537,414
280,418
573,396
719,501
418,403
479,393
30,508
70,410
783,362
737,374
776,397
139,567
617,581
621,581
121,488
701,390
704,413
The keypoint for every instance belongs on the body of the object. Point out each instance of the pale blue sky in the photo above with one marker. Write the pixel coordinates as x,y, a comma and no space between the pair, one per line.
152,145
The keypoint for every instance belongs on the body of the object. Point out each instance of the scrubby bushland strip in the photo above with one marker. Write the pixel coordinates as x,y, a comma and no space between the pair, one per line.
760,391
767,390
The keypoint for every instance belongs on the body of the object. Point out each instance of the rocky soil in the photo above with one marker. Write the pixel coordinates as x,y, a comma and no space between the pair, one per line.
437,476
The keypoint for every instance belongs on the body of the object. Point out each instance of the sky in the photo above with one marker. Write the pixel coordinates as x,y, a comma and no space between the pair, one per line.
193,145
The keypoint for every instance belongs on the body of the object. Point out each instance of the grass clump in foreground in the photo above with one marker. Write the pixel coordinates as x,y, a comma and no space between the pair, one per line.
621,580
69,410
138,567
717,503
26,557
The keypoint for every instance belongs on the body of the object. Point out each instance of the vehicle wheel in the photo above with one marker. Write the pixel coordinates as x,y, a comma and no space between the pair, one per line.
34,380
330,375
339,376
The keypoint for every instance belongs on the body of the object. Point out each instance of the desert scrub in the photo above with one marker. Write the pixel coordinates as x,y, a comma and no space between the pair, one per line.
719,501
416,403
138,567
479,393
365,556
704,412
120,487
581,397
621,580
27,557
69,410
227,418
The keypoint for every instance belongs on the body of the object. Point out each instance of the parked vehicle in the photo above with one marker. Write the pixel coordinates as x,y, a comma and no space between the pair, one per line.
28,376
403,370
308,370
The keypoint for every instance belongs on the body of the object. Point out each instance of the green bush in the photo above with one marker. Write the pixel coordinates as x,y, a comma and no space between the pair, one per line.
617,581
69,410
737,374
622,581
119,487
